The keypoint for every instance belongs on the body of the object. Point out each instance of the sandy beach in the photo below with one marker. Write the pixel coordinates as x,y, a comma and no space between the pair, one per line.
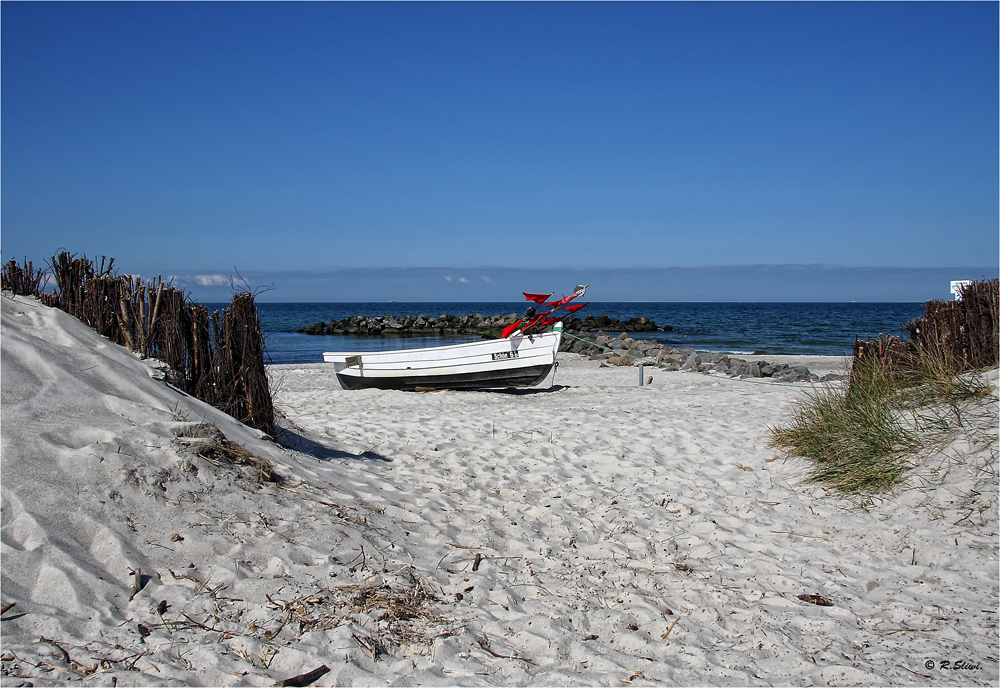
590,531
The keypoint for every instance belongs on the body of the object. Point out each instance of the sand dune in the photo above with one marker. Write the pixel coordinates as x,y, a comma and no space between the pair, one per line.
592,533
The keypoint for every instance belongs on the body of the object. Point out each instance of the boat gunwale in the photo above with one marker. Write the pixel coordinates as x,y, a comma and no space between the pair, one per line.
534,341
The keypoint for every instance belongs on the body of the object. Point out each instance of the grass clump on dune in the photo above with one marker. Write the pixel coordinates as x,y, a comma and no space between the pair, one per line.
865,436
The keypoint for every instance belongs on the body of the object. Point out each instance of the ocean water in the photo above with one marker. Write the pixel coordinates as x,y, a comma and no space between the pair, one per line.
741,328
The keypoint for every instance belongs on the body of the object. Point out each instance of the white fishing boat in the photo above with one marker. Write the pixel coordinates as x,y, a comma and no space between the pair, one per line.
522,360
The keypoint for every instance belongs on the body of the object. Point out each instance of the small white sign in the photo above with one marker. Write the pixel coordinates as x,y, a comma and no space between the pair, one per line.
957,286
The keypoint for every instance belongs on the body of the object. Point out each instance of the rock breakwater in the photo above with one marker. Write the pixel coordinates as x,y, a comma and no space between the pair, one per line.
626,351
487,326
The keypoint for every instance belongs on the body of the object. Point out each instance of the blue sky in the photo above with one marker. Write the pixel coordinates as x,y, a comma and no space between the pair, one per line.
298,142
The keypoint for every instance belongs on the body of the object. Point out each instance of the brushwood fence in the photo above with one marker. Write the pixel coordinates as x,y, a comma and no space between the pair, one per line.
217,357
961,335
24,279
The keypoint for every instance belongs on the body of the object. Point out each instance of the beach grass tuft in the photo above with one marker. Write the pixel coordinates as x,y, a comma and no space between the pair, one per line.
864,437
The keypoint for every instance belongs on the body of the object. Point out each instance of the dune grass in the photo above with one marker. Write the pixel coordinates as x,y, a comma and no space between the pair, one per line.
864,437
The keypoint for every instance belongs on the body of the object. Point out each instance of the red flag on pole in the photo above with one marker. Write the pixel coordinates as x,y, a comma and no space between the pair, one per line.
540,319
565,299
509,330
574,309
537,298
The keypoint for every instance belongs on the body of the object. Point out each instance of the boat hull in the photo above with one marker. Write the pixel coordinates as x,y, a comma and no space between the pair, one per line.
520,361
524,377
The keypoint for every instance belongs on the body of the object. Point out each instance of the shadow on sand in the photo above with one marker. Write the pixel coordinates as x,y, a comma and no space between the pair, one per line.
296,439
522,391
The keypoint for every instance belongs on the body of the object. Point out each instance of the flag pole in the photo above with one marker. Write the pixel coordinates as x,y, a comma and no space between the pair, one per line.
580,290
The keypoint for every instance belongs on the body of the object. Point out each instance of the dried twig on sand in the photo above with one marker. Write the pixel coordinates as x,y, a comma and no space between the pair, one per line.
395,613
207,441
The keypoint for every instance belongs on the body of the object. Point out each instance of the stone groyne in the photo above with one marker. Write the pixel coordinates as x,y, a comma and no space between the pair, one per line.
487,326
627,351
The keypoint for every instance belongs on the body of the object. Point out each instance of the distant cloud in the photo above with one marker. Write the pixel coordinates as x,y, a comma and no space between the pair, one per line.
448,279
463,280
211,280
487,279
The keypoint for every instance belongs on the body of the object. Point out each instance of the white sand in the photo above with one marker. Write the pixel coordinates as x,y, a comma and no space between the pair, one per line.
624,534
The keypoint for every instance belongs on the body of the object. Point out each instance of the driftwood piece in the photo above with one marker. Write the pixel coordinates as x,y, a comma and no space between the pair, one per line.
136,583
304,679
74,666
485,644
813,598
